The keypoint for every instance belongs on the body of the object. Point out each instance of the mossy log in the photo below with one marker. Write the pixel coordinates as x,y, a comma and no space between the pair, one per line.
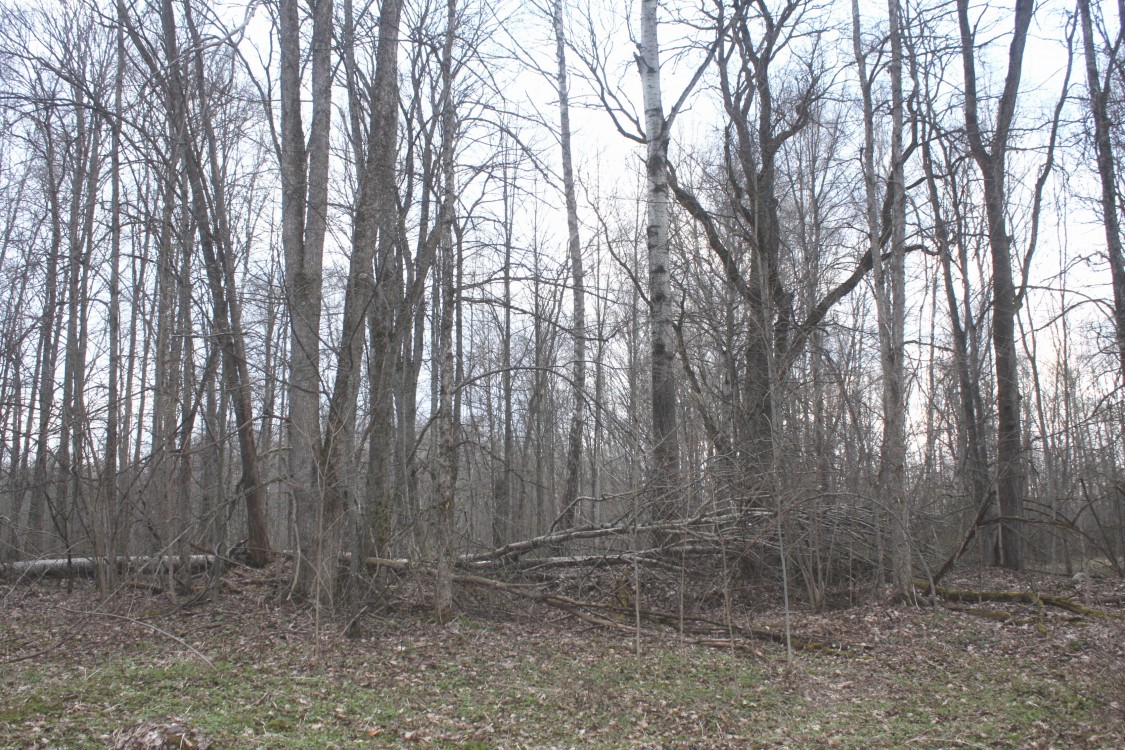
997,615
1016,597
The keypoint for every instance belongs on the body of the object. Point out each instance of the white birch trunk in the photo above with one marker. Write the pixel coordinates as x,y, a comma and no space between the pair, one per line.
665,441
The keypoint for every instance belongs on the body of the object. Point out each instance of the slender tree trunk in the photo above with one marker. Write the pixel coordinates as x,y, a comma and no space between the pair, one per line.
665,437
304,215
168,345
49,329
11,384
569,498
74,508
447,415
893,467
211,216
376,225
110,518
384,379
12,543
444,356
1098,91
502,525
890,297
991,161
133,411
975,472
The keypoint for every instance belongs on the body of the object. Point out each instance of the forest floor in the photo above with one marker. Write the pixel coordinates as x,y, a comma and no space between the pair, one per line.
245,671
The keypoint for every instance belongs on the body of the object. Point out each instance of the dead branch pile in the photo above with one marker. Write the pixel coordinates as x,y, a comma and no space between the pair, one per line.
699,534
617,617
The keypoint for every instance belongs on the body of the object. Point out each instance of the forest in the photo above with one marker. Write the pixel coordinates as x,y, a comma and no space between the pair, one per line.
636,315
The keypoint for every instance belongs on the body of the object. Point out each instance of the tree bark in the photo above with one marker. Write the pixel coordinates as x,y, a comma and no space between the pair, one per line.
304,216
890,297
893,468
375,228
111,518
50,323
578,281
1098,96
665,434
990,158
975,460
212,216
444,356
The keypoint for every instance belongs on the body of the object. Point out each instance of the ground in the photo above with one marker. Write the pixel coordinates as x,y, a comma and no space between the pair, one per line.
245,671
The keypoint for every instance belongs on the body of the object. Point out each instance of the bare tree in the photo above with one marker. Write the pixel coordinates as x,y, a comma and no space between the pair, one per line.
181,76
1098,88
577,276
446,413
304,215
375,227
890,292
111,519
665,437
989,151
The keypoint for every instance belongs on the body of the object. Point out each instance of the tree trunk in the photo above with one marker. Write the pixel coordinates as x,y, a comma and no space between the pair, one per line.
991,161
212,217
503,521
109,522
50,323
569,498
304,216
1098,90
894,463
665,437
446,479
890,298
375,227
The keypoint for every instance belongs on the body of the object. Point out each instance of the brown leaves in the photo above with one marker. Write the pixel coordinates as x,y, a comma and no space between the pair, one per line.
928,677
150,735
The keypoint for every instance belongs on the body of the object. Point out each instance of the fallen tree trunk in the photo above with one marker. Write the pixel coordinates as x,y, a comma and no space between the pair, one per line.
981,521
656,556
982,511
514,550
1016,597
84,567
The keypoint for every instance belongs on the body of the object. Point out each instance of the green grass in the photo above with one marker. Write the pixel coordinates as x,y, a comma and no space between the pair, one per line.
483,685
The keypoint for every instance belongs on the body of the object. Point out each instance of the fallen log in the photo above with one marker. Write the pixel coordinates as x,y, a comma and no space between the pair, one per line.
514,550
657,556
85,567
1016,597
996,615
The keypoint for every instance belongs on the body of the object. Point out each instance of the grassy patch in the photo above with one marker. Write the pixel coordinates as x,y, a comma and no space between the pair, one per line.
258,675
484,691
925,712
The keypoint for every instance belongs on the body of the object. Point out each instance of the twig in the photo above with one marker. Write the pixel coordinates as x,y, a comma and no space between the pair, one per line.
588,611
149,625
